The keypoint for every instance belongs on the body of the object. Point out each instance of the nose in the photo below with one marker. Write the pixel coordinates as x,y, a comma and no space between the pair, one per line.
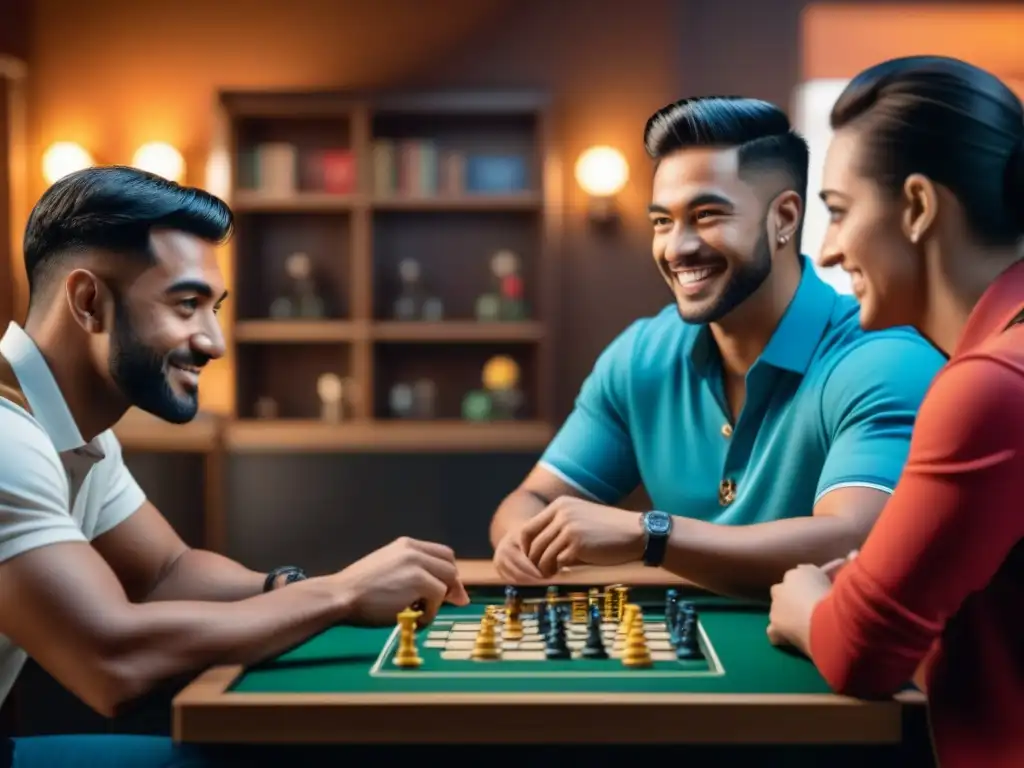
829,255
683,242
210,342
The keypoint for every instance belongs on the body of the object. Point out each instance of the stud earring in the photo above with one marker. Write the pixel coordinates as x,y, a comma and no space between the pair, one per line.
783,240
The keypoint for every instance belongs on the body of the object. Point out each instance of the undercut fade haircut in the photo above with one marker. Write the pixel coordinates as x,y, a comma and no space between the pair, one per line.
759,130
114,209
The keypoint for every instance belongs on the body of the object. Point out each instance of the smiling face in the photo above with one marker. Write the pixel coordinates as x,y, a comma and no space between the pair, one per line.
867,237
711,242
165,328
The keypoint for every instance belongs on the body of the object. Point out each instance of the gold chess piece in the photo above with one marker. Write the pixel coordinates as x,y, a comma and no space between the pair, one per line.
636,653
629,614
407,655
579,607
513,629
486,646
621,600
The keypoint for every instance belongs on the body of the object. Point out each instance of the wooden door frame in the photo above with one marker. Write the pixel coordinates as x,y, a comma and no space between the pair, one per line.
14,191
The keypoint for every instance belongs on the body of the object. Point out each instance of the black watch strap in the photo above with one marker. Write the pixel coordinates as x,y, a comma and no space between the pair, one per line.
292,573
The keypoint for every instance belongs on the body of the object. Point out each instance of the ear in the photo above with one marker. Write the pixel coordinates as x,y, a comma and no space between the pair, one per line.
785,217
921,206
89,300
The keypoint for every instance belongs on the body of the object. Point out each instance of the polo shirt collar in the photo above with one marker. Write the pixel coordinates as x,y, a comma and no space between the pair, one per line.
795,340
999,304
44,396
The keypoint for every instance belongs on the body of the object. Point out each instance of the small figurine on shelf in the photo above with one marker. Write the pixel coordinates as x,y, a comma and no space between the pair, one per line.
424,397
476,406
331,391
501,380
505,299
266,408
433,309
303,299
409,304
401,400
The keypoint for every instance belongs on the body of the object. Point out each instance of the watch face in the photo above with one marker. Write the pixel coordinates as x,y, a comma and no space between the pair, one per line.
658,524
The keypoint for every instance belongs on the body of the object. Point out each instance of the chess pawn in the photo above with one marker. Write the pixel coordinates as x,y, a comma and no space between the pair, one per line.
408,305
629,613
594,647
486,646
557,644
636,653
330,391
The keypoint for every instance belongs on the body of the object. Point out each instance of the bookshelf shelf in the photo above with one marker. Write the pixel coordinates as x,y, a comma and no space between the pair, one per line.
255,436
139,431
481,202
458,331
303,202
300,331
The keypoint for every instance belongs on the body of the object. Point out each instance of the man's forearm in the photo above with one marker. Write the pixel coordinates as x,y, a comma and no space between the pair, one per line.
746,560
156,641
518,507
202,575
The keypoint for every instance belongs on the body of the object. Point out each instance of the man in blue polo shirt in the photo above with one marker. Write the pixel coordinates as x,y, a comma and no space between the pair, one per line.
765,425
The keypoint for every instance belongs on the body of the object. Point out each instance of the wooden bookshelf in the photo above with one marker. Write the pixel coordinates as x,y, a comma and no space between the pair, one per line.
354,238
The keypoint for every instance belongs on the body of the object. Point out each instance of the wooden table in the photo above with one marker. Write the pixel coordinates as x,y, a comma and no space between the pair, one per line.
751,703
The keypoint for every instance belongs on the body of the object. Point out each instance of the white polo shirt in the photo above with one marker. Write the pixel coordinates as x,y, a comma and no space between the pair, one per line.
54,486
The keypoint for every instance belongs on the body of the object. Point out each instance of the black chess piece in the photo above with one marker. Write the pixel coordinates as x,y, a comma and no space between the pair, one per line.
671,606
557,644
688,648
594,647
543,620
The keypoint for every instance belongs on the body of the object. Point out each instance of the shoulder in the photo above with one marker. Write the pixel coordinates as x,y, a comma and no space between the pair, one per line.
27,454
894,363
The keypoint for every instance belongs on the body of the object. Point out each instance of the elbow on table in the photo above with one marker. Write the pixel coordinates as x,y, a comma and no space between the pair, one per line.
862,676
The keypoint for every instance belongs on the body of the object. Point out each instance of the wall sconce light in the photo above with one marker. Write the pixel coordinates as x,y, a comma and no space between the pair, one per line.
64,158
160,158
602,172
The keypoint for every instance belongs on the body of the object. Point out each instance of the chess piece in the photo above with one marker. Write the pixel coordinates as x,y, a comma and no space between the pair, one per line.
594,647
671,606
302,299
330,391
486,646
401,400
266,408
688,647
611,613
407,656
635,653
409,304
557,647
579,607
621,600
543,620
625,623
424,397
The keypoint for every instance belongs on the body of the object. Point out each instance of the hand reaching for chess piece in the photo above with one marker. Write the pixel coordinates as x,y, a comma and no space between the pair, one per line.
406,571
572,531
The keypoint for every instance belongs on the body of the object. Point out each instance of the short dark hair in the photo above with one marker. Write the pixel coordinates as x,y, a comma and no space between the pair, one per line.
950,121
758,129
114,208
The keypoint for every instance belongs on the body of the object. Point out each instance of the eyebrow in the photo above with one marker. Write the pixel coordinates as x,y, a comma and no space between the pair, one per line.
705,198
825,193
195,286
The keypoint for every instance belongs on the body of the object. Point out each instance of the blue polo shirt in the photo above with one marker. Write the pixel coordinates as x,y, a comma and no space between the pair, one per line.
828,405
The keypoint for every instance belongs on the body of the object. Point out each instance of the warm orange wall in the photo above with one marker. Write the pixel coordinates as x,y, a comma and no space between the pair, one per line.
113,74
842,39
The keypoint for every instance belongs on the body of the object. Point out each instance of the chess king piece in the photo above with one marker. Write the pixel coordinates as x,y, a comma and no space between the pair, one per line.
409,304
331,392
501,376
302,299
407,656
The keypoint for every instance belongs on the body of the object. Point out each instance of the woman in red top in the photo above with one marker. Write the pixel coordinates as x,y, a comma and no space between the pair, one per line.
924,180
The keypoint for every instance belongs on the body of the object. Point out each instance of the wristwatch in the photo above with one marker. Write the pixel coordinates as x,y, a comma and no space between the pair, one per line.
291,574
657,527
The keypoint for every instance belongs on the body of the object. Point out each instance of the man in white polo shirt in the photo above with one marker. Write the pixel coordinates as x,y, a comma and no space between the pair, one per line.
94,583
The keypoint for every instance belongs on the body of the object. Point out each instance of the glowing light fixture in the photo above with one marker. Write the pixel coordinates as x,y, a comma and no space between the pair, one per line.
160,158
63,158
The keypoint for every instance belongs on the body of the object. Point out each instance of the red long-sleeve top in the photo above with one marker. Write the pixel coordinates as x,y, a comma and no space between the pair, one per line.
936,594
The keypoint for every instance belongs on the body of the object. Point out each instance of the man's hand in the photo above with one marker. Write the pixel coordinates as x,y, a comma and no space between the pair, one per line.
571,531
391,579
511,562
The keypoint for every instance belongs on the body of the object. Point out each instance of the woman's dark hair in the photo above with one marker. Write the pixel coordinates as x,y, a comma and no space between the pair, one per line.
950,121
114,209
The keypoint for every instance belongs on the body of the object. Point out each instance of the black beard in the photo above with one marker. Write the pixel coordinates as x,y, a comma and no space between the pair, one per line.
141,374
743,282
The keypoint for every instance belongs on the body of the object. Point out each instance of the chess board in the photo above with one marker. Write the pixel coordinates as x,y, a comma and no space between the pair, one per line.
447,646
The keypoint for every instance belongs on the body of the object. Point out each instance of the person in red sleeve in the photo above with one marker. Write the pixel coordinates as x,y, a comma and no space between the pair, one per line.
924,182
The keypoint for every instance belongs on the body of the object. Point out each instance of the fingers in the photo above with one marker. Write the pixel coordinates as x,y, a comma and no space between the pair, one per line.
775,637
457,595
432,592
541,540
443,570
513,564
431,548
547,560
535,525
